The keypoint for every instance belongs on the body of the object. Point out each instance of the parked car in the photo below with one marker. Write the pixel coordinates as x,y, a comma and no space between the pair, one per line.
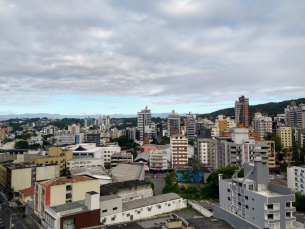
2,225
10,205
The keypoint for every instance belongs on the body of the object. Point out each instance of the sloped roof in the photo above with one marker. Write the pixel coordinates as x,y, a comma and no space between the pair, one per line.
143,156
28,191
125,172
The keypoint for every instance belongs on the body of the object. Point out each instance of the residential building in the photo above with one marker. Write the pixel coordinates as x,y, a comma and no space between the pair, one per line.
148,147
262,124
190,126
94,138
286,136
86,150
143,120
62,190
221,124
204,151
26,195
127,190
130,133
242,112
253,201
128,171
107,151
178,150
114,210
295,115
20,176
121,157
84,162
142,158
88,122
271,152
238,148
74,129
104,120
55,155
64,139
74,215
296,178
21,155
98,172
173,124
158,159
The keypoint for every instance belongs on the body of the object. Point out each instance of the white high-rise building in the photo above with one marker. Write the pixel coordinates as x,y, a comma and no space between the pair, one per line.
190,126
143,120
74,129
295,115
173,124
262,124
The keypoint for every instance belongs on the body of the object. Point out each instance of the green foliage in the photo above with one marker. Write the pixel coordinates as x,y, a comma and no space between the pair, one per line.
45,137
21,145
171,179
123,142
196,166
151,184
295,153
65,122
299,203
65,173
211,189
34,146
284,166
165,140
154,141
191,142
269,136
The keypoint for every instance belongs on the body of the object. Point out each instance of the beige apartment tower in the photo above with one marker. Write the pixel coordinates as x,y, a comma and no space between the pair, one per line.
242,112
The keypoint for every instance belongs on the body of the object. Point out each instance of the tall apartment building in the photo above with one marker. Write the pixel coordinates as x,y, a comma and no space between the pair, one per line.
173,124
238,148
54,155
190,126
286,136
253,201
158,159
261,124
94,138
143,120
295,115
271,152
204,151
242,112
296,178
62,190
74,129
221,124
104,120
24,175
178,150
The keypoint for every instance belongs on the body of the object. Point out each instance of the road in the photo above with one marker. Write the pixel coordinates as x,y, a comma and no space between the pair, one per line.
5,214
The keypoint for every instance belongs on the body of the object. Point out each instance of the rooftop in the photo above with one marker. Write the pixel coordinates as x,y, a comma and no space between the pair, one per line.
143,156
113,188
125,172
85,159
149,201
65,180
91,171
109,197
28,191
68,206
209,223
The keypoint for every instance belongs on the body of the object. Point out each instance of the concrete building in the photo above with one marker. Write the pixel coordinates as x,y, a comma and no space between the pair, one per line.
173,124
21,155
204,151
221,124
142,158
262,124
64,139
23,175
286,136
114,210
130,133
94,138
253,201
121,157
84,162
73,215
128,171
296,178
143,120
54,155
26,195
98,172
271,152
238,148
88,122
127,190
178,150
158,159
190,126
295,115
242,112
74,129
62,190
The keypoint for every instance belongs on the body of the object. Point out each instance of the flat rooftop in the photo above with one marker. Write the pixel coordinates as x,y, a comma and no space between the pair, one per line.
67,206
91,171
65,180
109,197
113,188
85,159
209,223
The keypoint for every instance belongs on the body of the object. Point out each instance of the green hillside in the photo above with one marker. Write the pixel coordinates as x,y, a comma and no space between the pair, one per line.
271,108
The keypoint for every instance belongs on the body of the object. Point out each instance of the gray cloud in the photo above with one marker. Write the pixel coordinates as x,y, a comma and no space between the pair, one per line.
191,51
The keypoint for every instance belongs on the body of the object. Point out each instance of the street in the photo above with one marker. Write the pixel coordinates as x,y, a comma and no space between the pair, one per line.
5,214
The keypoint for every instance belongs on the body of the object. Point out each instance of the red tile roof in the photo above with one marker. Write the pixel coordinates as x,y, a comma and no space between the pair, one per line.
28,191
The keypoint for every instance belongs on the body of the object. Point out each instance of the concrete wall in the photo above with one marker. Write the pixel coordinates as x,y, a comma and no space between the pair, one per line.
58,195
111,207
47,172
200,209
79,189
21,179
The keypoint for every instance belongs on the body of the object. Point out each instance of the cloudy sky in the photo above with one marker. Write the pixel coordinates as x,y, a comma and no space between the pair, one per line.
109,57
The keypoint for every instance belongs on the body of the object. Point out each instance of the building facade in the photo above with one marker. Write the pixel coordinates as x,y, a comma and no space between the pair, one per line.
204,151
262,124
158,159
178,150
173,124
242,112
296,178
190,126
286,136
254,200
118,158
143,120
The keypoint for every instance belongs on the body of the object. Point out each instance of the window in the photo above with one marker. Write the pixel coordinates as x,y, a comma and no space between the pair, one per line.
229,198
104,210
253,209
246,197
252,199
247,206
288,204
288,214
115,209
229,190
270,216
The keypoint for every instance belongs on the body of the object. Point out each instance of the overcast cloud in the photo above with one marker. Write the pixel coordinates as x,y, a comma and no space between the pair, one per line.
157,52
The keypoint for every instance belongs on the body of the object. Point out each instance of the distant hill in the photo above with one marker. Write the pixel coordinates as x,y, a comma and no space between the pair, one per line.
271,108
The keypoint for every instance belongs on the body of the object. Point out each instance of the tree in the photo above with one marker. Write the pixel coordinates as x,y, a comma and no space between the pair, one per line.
211,189
269,136
21,145
135,148
196,166
46,143
191,142
295,152
66,173
299,203
154,141
171,179
302,154
11,193
165,140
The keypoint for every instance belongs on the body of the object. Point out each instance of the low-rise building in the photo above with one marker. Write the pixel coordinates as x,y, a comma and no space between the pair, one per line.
158,159
121,157
296,178
286,136
97,172
114,210
62,190
128,171
127,190
65,139
84,162
142,158
26,195
253,201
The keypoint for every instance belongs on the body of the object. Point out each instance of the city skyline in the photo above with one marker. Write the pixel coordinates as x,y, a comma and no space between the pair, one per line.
111,57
